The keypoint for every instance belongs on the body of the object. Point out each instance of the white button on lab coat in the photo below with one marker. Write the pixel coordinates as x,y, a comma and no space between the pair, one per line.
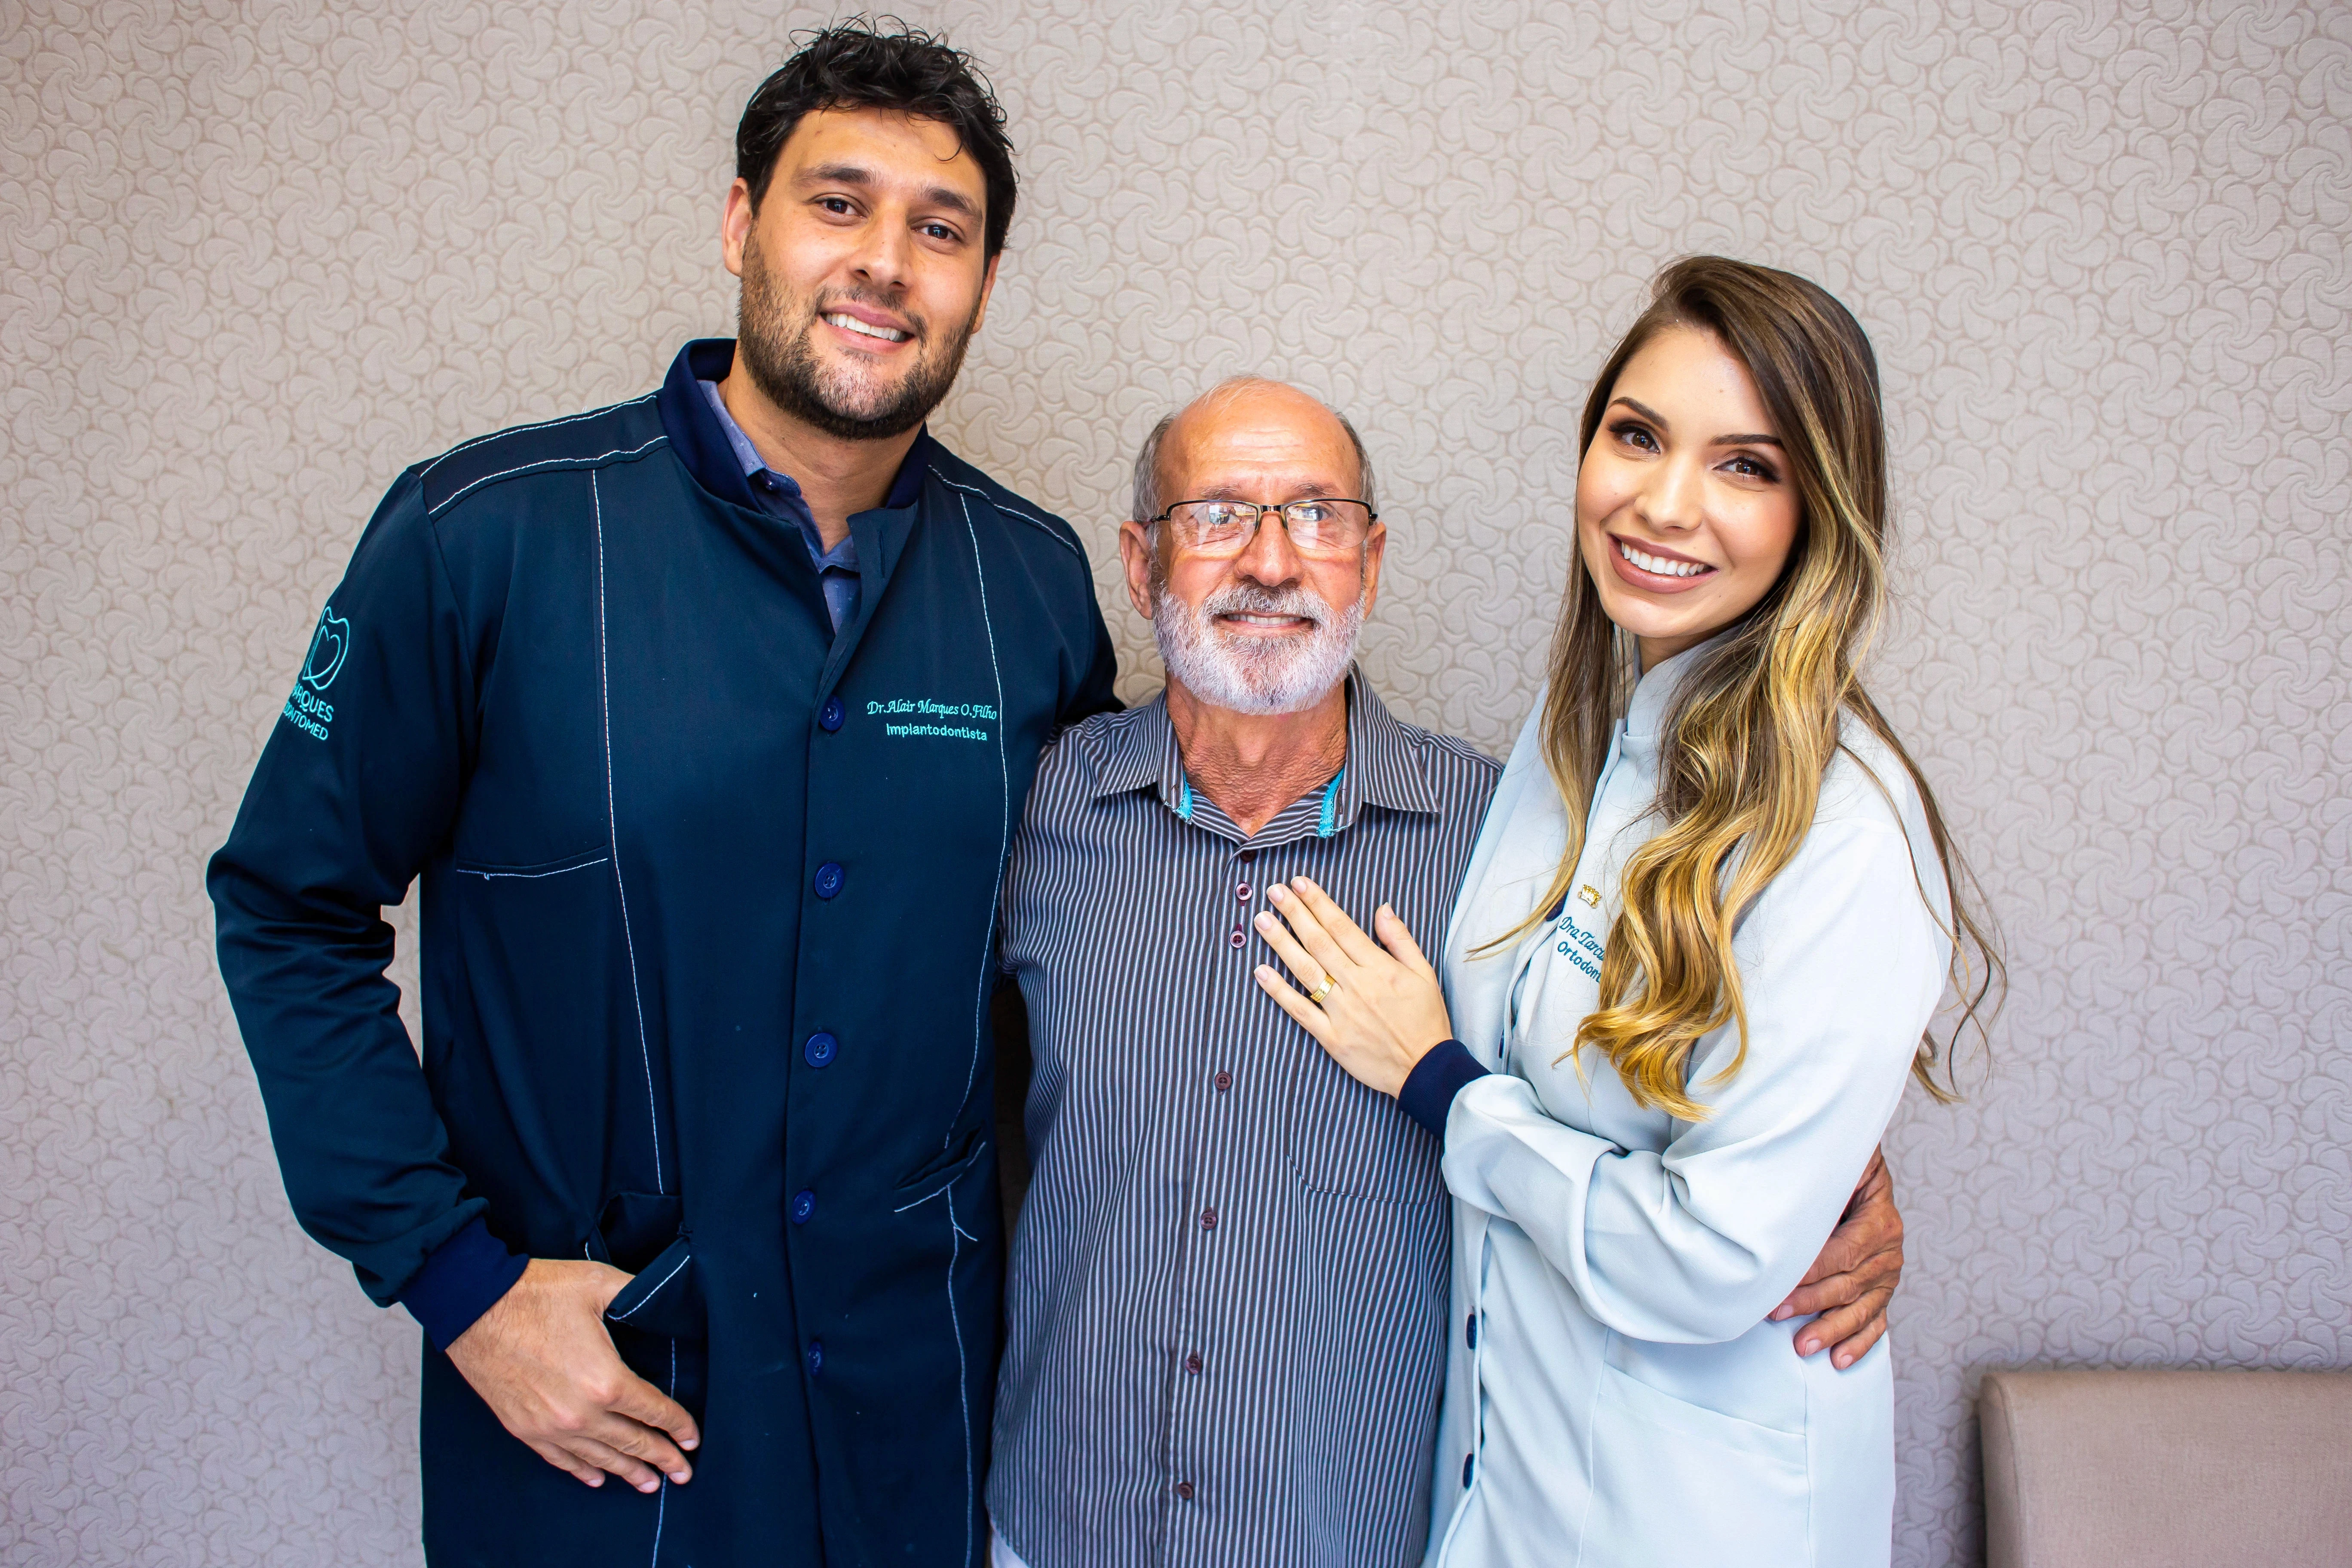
1620,1399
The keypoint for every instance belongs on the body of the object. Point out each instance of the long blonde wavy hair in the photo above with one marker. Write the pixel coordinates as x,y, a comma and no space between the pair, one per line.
1755,725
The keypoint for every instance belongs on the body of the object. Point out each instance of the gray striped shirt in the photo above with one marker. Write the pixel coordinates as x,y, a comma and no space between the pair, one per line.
1226,1312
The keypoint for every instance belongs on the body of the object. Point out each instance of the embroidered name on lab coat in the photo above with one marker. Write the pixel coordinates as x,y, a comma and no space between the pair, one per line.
1579,946
922,713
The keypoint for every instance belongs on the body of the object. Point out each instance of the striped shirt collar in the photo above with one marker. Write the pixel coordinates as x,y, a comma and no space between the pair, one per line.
1139,750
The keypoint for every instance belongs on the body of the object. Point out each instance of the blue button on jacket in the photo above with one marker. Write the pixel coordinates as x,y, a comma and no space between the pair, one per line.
572,681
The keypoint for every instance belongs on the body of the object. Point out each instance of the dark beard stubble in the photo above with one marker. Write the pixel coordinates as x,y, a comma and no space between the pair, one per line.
782,364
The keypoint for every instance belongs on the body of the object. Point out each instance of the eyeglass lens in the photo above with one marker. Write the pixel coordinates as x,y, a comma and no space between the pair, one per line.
1316,525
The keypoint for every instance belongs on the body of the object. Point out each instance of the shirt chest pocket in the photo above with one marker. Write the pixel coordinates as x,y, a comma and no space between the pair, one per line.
1356,1142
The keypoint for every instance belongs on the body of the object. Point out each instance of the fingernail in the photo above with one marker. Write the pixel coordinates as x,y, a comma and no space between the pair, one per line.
1842,1361
596,1481
691,1444
1807,1347
1261,920
649,1488
681,1477
1778,1314
1277,894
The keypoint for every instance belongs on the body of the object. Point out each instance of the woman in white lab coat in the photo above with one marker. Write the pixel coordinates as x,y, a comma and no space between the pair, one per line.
1696,955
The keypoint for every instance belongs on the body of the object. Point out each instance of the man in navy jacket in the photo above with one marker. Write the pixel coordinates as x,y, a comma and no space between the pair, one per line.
705,720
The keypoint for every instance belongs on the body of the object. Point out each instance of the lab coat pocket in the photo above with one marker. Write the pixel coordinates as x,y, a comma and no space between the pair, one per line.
665,1297
1724,1491
645,1233
542,997
533,871
635,1228
945,1171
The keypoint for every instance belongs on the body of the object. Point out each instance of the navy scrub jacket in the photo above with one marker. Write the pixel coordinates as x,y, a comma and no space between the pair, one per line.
708,905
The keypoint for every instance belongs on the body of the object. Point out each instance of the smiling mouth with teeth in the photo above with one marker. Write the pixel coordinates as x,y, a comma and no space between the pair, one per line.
1661,565
849,323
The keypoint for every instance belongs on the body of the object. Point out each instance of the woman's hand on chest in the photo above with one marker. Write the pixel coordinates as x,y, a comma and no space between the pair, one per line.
1376,1006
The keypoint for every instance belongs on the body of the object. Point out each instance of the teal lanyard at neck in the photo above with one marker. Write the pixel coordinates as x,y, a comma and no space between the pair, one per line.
1326,822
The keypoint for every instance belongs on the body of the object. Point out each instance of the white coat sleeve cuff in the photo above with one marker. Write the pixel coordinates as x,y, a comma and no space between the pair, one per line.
1504,1154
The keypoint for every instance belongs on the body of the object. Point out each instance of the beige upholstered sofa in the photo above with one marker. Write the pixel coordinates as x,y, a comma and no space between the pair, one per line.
2153,1470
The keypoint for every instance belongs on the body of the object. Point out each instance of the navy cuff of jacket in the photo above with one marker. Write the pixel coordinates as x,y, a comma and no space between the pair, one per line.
462,1279
1429,1090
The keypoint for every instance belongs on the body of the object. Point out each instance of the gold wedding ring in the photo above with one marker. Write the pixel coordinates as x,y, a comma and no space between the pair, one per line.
1322,990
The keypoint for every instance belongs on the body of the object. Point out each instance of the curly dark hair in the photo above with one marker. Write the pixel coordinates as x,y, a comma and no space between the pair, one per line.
857,64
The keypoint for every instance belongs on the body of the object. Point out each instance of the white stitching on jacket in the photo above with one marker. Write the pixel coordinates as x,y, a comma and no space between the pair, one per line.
1004,829
661,1509
520,429
1039,522
624,1317
963,1376
488,875
455,495
961,1172
613,825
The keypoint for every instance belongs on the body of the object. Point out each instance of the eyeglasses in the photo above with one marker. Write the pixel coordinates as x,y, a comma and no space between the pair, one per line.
1319,525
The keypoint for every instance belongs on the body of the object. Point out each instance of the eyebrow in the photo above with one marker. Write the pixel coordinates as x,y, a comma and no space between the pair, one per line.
1654,417
1310,491
854,174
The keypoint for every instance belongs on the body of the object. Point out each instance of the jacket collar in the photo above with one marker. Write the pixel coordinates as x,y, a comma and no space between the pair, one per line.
701,443
1654,694
1137,750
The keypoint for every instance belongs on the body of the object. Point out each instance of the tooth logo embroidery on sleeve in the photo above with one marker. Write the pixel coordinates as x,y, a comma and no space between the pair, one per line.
1590,894
329,644
329,647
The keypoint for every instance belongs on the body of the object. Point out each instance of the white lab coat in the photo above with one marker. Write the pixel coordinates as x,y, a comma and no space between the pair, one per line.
1621,1400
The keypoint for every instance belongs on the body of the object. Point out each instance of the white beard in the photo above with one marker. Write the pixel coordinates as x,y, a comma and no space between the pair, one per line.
1256,675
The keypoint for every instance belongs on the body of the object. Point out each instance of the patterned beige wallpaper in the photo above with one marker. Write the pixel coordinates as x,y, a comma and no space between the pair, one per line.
254,257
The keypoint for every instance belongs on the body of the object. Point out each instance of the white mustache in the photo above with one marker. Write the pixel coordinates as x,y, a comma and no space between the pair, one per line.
1244,599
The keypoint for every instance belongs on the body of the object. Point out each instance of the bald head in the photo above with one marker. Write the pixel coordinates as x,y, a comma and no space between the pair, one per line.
1250,425
1254,624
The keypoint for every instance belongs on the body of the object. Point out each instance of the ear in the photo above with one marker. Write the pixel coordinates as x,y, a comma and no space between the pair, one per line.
987,287
1135,559
1376,546
735,226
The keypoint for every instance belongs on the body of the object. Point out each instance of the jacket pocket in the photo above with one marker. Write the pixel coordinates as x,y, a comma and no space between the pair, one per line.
664,1298
644,1233
950,1167
541,1008
493,871
1675,1478
635,1228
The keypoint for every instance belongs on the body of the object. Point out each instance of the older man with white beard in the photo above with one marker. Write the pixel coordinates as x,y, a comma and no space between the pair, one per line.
1226,1312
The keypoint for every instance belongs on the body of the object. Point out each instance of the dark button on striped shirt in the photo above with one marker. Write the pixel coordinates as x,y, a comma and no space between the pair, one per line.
1226,1314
